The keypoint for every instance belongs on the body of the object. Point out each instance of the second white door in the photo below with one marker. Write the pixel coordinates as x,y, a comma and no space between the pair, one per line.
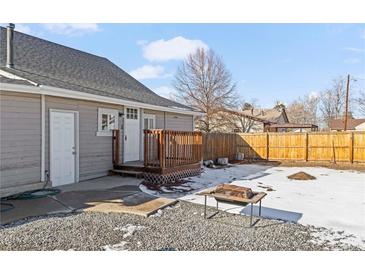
131,134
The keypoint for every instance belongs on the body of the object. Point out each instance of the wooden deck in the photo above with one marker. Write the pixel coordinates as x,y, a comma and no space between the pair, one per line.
165,152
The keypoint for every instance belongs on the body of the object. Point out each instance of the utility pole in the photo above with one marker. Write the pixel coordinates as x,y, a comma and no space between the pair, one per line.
347,100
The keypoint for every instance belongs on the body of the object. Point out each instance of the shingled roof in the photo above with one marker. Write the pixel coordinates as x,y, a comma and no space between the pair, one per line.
51,64
339,124
270,115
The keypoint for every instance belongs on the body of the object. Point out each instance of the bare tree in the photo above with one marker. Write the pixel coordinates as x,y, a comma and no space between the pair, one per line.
332,101
204,83
296,111
361,103
303,110
239,123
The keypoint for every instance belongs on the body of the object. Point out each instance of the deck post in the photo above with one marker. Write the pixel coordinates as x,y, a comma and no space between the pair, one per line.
145,147
116,146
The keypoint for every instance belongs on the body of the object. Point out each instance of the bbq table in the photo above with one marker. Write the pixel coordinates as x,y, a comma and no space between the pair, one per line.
221,197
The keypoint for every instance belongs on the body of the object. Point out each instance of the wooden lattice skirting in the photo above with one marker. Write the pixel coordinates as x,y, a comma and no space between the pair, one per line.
171,177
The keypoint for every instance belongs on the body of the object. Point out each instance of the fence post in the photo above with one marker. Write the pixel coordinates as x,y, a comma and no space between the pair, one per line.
267,146
306,147
351,148
333,148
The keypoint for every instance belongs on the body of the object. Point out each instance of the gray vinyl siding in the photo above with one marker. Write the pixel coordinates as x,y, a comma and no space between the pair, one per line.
172,121
95,152
20,142
160,122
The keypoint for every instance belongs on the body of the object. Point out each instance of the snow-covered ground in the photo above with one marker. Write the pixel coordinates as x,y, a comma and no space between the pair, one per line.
335,200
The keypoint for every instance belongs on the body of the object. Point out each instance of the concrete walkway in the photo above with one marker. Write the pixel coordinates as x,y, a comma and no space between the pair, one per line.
105,194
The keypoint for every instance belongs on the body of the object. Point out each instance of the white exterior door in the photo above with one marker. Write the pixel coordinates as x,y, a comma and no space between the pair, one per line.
62,148
131,134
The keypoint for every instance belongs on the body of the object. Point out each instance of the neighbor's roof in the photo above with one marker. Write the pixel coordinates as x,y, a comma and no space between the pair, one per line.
339,124
293,125
271,115
51,64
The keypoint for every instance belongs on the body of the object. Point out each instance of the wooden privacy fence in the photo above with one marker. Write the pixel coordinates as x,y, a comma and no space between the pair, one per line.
312,146
168,148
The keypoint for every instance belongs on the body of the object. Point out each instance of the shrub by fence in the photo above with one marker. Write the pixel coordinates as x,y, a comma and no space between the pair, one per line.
311,146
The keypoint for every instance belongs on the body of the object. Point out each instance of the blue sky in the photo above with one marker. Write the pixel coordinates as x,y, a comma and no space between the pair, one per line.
268,62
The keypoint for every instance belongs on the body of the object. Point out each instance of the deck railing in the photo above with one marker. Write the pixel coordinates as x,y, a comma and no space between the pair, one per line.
169,148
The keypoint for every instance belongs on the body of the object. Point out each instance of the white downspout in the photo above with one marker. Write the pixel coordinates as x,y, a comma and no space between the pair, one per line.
43,143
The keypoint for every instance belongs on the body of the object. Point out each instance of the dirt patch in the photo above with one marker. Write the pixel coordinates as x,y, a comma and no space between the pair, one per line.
301,176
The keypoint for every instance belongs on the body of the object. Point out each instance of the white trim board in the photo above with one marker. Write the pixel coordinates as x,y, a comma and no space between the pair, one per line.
43,138
60,92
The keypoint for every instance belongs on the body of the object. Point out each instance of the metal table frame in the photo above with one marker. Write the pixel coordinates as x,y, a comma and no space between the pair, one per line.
233,202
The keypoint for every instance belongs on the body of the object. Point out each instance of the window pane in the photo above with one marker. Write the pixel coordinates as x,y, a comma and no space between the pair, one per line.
146,123
104,122
111,122
151,124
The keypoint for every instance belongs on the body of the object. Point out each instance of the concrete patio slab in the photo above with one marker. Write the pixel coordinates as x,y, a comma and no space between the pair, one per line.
86,198
105,194
31,208
102,183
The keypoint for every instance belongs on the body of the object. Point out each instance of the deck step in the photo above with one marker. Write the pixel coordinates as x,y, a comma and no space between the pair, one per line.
127,172
128,168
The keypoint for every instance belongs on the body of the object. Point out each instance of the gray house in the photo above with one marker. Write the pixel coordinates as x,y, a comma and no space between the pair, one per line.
58,108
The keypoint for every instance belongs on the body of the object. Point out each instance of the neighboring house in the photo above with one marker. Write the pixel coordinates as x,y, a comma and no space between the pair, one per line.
58,107
352,124
266,120
276,115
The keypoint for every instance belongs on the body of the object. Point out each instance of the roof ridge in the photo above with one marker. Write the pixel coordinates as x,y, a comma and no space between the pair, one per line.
57,44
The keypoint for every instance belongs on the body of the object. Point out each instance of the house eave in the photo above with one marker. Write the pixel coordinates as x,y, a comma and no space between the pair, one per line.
60,92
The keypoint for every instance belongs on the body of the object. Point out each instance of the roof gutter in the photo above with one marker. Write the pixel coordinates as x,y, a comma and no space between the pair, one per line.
66,93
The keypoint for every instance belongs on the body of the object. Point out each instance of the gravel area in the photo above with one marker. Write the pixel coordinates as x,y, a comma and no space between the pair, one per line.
181,227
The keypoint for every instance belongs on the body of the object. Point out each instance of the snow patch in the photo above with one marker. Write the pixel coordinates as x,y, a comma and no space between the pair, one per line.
338,239
157,214
129,229
116,247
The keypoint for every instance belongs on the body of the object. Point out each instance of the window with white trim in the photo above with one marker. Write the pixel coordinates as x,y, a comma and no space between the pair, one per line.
107,121
149,121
